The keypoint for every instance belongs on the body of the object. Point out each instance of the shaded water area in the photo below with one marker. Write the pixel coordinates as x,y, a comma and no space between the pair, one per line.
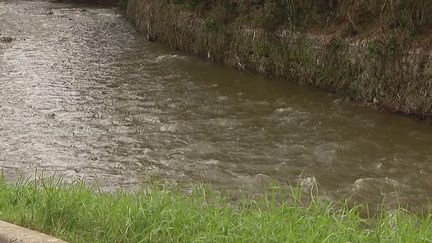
82,95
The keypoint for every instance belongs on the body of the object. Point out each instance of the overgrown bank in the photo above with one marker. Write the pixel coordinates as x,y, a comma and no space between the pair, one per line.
79,214
92,2
376,52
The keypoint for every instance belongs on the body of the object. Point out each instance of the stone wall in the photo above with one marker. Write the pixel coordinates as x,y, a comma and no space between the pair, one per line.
383,71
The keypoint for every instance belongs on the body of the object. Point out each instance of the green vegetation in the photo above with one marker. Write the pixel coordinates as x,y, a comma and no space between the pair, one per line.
77,213
354,16
123,4
387,46
376,52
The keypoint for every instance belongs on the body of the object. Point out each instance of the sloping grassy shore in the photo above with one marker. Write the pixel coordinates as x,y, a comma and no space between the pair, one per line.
79,214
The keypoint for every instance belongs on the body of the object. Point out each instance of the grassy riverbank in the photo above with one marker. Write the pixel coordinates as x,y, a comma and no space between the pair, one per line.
375,52
79,214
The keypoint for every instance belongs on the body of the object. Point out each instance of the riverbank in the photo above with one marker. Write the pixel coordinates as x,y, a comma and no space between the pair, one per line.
78,213
365,52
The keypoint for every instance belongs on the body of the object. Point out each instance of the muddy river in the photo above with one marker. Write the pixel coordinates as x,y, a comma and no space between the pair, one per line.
82,95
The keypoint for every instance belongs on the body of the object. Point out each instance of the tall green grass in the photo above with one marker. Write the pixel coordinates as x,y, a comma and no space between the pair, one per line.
78,213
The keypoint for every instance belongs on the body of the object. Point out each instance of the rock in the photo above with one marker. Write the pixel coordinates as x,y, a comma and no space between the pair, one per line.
6,39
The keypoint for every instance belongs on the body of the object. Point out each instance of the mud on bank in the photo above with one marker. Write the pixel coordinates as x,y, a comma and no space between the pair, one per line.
389,69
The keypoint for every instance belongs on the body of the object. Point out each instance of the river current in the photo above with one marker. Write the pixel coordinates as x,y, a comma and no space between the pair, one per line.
83,95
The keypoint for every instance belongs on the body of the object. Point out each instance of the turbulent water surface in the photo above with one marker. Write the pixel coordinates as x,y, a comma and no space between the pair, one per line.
82,95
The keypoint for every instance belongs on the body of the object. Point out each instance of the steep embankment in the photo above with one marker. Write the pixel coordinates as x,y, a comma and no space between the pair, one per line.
375,52
92,2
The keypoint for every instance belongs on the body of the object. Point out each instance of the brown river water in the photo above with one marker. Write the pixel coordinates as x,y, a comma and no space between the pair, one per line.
82,95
